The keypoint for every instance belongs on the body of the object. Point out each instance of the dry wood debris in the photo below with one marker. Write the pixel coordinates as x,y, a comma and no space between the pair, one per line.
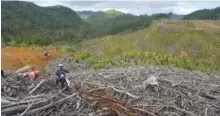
115,92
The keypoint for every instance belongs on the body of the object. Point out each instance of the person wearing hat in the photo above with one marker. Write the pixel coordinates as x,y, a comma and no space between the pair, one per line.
61,75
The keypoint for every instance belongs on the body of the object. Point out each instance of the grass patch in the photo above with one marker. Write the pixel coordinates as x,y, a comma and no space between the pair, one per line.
143,58
184,44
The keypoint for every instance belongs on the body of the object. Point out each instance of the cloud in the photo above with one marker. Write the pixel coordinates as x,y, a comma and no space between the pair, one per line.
182,10
134,7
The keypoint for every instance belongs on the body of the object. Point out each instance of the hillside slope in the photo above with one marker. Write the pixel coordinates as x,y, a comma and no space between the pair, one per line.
14,58
20,19
93,16
198,41
22,16
113,22
24,23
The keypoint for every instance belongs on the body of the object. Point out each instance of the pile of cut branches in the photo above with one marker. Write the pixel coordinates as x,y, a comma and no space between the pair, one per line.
137,91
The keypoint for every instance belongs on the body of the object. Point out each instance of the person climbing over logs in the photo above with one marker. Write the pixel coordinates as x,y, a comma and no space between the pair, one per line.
46,55
61,76
33,74
2,74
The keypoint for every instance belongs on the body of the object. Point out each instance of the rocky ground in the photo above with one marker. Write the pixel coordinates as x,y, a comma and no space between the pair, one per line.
113,92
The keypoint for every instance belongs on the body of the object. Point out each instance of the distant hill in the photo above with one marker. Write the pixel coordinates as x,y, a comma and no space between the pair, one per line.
85,14
19,16
161,16
26,15
205,14
113,13
25,21
176,17
92,15
113,21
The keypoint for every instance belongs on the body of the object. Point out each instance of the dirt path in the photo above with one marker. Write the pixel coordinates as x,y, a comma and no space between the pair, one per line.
14,58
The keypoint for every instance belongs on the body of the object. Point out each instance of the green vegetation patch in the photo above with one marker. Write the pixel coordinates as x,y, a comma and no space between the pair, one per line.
143,58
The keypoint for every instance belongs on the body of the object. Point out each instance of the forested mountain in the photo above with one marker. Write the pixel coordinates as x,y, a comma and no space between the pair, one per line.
27,23
113,25
24,23
161,16
113,21
103,22
205,14
85,14
20,17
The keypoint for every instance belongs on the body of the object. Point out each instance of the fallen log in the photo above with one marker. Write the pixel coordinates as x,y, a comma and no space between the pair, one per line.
209,96
125,92
22,114
38,85
35,97
21,108
13,104
4,101
50,105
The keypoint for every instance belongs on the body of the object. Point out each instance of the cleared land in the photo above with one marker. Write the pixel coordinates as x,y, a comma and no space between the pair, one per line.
114,92
17,57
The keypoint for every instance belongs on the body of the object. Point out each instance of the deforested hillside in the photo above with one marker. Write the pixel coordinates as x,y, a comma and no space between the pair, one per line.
58,62
187,44
113,92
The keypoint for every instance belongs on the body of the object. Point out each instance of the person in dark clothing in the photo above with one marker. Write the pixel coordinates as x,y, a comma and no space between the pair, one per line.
2,73
46,54
61,75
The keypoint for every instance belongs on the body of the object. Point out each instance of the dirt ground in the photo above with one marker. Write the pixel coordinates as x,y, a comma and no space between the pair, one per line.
17,57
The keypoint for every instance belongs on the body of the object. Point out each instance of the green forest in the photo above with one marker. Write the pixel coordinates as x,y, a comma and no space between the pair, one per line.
205,14
24,23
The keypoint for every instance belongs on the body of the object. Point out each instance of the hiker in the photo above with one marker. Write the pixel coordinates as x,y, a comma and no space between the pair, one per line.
2,74
33,74
61,76
46,54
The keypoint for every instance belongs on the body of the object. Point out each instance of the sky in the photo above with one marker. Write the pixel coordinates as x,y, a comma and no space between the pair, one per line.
134,7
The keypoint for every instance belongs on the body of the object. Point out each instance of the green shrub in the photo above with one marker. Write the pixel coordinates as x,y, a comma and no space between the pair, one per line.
67,49
141,58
